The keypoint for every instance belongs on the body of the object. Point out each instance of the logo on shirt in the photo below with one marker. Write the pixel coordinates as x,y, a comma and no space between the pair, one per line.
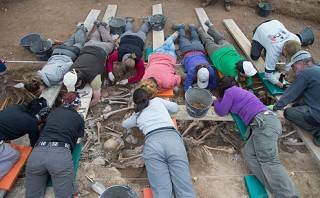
278,37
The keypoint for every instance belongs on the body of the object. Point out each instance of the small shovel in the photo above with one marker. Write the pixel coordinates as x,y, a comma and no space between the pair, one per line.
96,185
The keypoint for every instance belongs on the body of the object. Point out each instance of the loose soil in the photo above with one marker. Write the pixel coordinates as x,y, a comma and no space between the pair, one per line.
215,174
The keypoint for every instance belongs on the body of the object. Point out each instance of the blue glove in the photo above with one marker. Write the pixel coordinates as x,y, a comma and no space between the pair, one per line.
270,107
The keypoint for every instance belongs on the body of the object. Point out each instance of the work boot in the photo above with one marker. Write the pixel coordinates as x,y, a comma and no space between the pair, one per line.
209,2
227,6
129,19
97,22
316,141
192,26
177,26
79,23
200,28
208,23
104,24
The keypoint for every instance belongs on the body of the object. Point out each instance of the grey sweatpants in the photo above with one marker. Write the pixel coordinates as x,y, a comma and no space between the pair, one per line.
56,161
212,40
142,33
101,38
8,157
187,45
167,165
261,155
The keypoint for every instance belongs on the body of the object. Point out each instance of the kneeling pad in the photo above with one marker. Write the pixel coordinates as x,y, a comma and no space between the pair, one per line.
76,157
272,89
240,125
255,187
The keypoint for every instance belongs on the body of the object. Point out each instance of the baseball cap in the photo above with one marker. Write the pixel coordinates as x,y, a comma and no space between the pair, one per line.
70,80
292,47
248,68
3,67
300,55
203,78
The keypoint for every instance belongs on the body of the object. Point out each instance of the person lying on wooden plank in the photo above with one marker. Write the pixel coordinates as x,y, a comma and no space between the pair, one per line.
129,52
160,74
164,152
89,66
52,152
276,40
261,150
304,92
58,64
195,62
225,57
15,122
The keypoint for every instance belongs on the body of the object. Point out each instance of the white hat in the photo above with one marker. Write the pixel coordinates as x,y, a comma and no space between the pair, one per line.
70,80
300,55
248,68
203,78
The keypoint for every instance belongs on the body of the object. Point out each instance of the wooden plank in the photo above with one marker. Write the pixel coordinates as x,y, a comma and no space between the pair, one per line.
307,139
86,95
202,17
210,116
51,93
110,12
243,43
158,36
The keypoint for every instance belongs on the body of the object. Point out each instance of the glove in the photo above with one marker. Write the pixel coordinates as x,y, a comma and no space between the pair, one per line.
214,98
122,82
44,113
285,86
111,76
281,78
270,107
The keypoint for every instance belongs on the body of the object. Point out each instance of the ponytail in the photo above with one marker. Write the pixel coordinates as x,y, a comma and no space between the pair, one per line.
140,99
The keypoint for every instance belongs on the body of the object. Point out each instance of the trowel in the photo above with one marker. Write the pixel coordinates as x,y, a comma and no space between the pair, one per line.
96,185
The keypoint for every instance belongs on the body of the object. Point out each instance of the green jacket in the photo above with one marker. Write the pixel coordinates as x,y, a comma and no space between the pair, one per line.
225,60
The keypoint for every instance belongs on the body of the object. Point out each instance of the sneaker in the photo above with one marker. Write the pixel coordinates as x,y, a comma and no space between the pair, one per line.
97,22
200,28
208,23
316,141
192,26
79,23
177,26
129,19
227,6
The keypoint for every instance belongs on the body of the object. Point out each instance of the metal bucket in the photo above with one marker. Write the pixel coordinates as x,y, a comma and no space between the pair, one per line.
157,21
119,192
43,49
306,36
198,102
264,9
27,40
117,25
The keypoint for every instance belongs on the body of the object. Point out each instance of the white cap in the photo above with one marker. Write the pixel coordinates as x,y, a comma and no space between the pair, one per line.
70,80
300,55
248,68
203,78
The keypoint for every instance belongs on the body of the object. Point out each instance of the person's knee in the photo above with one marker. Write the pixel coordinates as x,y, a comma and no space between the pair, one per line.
254,57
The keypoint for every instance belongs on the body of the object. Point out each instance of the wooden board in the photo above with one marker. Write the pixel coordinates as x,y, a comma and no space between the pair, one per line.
158,36
110,12
307,139
202,17
86,95
210,116
243,43
51,93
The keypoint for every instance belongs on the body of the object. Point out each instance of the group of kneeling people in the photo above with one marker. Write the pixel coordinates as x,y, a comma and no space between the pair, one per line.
164,152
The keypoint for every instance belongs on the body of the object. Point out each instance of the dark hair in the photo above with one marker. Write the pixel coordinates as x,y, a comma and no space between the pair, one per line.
225,83
33,107
80,76
239,66
198,67
140,99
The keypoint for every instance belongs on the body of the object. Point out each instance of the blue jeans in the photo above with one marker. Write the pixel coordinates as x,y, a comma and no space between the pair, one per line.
167,47
167,165
187,45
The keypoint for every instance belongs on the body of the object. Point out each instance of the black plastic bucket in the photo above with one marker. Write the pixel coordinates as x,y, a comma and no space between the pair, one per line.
27,40
157,21
43,50
117,25
198,96
264,9
306,36
119,192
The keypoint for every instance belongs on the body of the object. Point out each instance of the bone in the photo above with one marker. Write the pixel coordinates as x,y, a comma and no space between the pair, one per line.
224,137
107,115
122,159
119,98
213,130
30,95
294,143
113,130
230,150
192,124
5,103
117,102
85,147
288,134
98,132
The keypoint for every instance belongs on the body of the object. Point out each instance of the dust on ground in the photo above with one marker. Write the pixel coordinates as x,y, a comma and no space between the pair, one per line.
218,168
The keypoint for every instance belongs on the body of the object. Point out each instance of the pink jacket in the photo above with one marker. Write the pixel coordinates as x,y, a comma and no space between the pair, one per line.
161,67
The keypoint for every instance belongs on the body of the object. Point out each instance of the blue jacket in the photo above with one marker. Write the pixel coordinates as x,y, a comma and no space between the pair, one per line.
190,62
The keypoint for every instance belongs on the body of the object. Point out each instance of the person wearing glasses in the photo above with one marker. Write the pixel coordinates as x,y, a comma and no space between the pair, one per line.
195,62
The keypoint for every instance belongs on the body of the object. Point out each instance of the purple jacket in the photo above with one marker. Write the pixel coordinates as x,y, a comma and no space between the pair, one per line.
241,102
